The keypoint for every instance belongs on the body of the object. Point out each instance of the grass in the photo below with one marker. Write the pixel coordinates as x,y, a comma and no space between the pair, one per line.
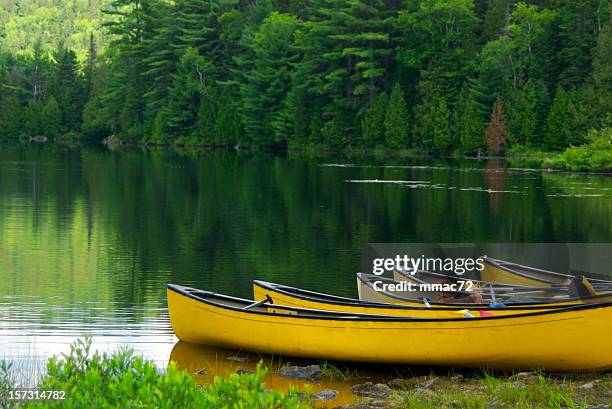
533,390
331,370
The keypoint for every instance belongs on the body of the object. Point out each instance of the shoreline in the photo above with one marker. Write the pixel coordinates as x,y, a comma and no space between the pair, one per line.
335,385
536,160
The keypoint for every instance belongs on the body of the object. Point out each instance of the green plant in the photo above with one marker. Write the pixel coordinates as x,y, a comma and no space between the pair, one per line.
124,380
7,384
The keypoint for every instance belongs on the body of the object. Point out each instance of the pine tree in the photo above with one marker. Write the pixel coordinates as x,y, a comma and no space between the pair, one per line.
265,86
496,134
470,125
32,118
442,139
183,105
372,123
562,127
347,48
51,118
495,18
69,90
396,120
578,29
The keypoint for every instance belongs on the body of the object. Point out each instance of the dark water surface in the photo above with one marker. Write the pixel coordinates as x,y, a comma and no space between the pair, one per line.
89,238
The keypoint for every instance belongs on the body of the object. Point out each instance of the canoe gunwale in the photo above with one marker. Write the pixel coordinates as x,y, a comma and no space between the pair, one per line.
507,266
352,317
322,297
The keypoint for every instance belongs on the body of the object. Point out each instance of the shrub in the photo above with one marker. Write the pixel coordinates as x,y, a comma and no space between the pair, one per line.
124,380
595,155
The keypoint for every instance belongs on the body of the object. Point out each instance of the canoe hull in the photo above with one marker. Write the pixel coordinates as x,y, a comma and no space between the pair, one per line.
547,341
356,307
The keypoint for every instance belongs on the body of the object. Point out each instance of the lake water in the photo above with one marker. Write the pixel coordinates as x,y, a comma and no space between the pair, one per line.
90,237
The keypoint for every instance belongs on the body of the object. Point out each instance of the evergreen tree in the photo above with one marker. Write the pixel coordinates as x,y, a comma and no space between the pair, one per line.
470,125
496,134
347,48
372,123
495,18
441,132
265,86
51,118
69,90
562,127
32,118
396,120
580,22
183,105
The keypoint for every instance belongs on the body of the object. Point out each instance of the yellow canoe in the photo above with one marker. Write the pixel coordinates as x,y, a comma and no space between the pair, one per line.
297,297
483,287
551,340
504,272
371,292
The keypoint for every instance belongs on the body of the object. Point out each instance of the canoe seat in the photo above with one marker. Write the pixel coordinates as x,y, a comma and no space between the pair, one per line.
581,287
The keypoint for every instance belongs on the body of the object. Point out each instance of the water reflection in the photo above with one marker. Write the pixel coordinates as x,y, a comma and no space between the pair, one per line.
90,237
205,362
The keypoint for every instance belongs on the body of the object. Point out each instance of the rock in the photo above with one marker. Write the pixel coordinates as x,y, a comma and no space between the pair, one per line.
518,384
457,378
311,373
418,379
524,376
429,383
244,371
236,358
326,394
587,386
492,403
424,393
38,138
368,389
397,383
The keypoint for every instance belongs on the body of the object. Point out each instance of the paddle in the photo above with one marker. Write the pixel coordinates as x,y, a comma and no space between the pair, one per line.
268,299
494,303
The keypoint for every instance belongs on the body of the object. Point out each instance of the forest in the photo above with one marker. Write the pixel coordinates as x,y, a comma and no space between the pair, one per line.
433,76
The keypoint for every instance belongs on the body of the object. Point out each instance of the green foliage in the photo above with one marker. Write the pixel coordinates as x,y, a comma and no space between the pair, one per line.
563,125
432,125
265,73
184,95
25,23
372,123
50,118
595,155
266,84
7,384
470,126
396,124
441,132
124,380
32,118
527,108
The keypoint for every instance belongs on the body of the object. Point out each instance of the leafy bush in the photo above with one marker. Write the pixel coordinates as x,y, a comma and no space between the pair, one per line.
595,155
124,380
